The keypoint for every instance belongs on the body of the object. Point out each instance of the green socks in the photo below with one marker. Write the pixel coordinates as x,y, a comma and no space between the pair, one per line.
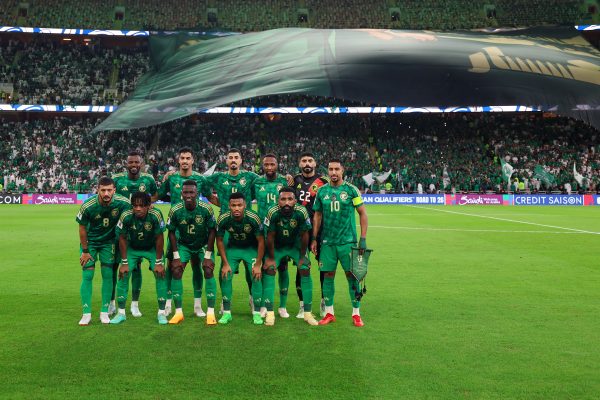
136,283
268,282
197,281
352,288
307,288
161,292
284,283
328,290
107,286
211,292
122,290
86,290
177,291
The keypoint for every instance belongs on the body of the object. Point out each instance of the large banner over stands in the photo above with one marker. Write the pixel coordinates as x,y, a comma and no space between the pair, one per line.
54,198
478,199
551,67
553,200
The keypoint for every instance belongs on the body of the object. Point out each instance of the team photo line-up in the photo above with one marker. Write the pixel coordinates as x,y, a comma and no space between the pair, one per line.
295,215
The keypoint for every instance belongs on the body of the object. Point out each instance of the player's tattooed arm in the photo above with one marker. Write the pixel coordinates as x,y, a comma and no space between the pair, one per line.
83,239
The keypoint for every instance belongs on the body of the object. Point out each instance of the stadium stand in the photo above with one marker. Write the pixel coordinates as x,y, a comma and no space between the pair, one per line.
61,154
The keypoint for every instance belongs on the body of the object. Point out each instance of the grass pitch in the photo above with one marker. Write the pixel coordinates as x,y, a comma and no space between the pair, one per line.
462,302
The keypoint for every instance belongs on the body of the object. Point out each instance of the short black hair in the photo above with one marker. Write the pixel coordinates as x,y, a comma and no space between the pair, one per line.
234,150
186,150
190,182
236,195
270,155
134,153
337,160
306,154
287,189
106,181
141,197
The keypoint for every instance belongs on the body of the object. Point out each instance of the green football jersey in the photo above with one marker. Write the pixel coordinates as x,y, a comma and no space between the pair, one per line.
287,229
337,205
99,220
241,233
225,184
174,185
192,227
126,187
141,233
266,193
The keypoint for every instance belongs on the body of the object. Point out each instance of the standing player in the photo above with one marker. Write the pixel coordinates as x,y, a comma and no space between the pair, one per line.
97,219
307,183
141,237
246,244
172,185
192,227
127,184
334,210
288,226
266,192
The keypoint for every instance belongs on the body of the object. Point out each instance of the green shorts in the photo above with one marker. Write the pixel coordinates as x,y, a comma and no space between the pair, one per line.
105,252
331,254
291,252
236,255
135,257
186,254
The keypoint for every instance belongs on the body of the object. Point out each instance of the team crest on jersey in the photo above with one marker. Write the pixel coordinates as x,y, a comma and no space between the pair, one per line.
247,228
293,223
199,219
115,212
142,188
314,188
98,216
148,226
177,186
243,181
344,196
279,187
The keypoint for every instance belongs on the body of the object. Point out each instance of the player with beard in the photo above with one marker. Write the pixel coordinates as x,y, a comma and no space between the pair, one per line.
172,186
307,184
126,184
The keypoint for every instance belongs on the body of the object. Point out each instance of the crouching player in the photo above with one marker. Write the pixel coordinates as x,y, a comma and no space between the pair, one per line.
192,226
246,244
141,237
288,226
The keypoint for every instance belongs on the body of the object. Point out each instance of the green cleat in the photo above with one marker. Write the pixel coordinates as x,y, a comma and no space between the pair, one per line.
118,319
162,320
226,318
257,319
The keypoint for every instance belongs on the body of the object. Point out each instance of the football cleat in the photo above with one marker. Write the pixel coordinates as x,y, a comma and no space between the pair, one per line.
226,318
118,319
300,314
135,311
263,312
357,321
283,312
177,318
270,319
257,319
104,318
199,311
85,319
162,319
328,318
210,319
112,310
309,318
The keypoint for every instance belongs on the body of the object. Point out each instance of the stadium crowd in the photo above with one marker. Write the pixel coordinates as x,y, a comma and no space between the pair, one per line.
245,16
61,154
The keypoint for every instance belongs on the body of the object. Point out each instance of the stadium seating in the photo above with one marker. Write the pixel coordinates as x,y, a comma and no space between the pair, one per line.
62,154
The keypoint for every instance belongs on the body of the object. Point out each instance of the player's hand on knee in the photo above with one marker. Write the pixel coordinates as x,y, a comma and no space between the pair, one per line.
303,261
85,258
159,270
225,271
123,270
257,272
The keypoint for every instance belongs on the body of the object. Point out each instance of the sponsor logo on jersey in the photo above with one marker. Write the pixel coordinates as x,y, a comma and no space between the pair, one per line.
199,219
326,197
125,189
299,186
247,228
231,229
226,183
148,226
115,212
262,189
344,196
184,222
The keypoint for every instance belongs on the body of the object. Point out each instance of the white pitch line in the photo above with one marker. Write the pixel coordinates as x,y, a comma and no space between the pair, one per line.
508,220
471,230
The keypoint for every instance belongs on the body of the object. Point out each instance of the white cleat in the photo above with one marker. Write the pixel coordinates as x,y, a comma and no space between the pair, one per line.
104,318
283,313
85,319
112,309
310,319
135,311
199,311
263,312
300,314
